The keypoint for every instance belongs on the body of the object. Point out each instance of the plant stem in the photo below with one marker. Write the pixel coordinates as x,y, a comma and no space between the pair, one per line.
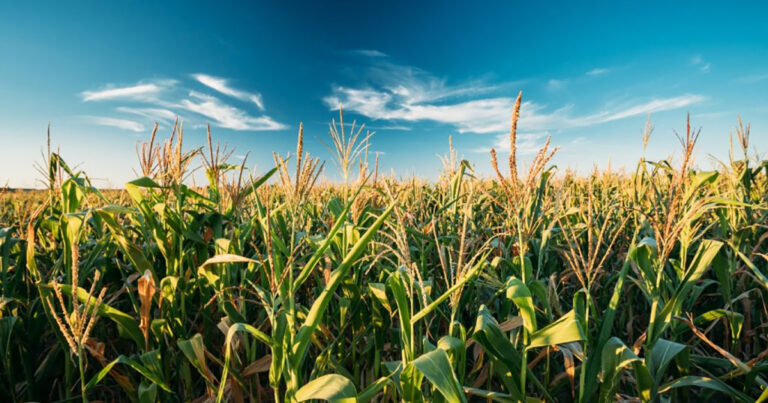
82,373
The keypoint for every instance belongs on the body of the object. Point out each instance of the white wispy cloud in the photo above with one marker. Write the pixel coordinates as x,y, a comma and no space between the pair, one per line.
483,115
392,127
141,91
580,140
468,116
654,105
598,72
753,78
702,64
408,94
369,53
160,114
156,101
413,85
222,85
123,124
121,92
533,116
227,116
555,84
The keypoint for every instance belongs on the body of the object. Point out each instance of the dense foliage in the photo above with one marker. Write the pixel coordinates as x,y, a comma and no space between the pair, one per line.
543,286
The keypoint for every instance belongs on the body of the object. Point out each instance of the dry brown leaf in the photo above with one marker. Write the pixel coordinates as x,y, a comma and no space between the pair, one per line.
258,366
146,290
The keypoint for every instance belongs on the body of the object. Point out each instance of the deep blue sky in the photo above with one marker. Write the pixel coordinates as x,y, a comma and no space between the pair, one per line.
415,72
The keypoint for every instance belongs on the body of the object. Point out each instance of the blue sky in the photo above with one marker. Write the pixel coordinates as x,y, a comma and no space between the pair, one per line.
415,72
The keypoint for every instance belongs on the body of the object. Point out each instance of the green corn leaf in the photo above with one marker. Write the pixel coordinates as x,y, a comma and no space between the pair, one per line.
7,324
194,350
662,353
367,394
262,180
735,320
698,180
763,396
521,296
147,392
133,188
475,270
134,253
340,220
762,278
704,256
437,369
148,372
333,388
564,330
410,384
507,360
379,292
396,284
614,358
707,383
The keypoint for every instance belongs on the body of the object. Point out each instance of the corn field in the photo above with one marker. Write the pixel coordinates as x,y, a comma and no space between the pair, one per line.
532,285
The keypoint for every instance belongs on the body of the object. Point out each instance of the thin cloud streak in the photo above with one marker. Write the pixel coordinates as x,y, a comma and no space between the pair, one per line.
702,64
124,92
123,124
227,116
159,114
754,78
598,72
222,85
656,105
555,84
140,92
369,53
